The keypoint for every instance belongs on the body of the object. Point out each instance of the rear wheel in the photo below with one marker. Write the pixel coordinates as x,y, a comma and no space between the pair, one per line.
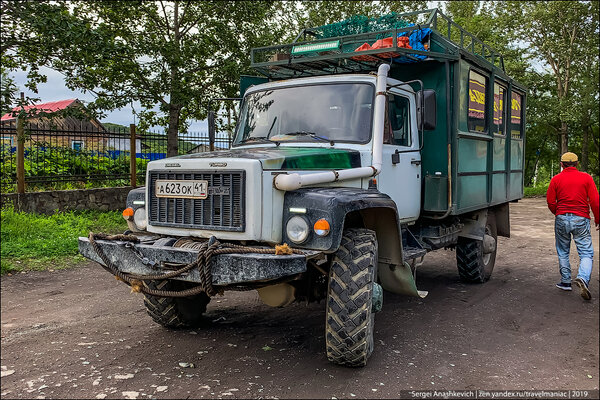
175,312
350,318
476,258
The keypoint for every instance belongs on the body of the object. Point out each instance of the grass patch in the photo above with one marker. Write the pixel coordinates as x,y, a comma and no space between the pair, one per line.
537,191
39,242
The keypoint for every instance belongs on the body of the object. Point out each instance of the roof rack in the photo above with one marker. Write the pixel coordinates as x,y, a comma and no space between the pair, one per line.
335,55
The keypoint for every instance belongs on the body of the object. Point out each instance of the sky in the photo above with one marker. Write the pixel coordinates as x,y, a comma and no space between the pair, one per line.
54,89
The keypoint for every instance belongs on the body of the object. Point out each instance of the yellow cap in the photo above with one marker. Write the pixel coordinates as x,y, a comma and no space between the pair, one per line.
569,157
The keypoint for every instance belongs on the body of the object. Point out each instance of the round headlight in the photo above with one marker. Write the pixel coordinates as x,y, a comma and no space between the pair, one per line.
297,229
139,218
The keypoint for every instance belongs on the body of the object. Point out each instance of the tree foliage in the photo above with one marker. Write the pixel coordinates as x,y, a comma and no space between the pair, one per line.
562,53
552,48
8,92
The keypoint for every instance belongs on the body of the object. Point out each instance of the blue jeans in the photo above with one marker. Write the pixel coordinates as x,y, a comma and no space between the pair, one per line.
568,225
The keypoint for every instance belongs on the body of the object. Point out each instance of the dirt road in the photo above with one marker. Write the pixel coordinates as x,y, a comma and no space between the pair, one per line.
80,334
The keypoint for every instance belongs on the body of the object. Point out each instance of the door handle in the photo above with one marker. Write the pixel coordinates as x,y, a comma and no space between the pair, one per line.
415,162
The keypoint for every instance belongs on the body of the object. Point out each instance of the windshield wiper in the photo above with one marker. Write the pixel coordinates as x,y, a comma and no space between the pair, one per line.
260,139
309,134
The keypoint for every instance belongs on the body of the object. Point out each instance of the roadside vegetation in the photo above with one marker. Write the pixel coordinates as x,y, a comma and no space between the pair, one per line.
40,242
535,191
59,161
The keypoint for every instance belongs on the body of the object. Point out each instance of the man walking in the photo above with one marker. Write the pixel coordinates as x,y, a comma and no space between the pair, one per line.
570,195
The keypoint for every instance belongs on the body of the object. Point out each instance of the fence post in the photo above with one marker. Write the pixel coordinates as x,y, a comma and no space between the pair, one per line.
20,155
21,149
132,150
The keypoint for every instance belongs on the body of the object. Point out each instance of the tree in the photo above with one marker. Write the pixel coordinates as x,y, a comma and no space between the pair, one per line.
316,13
170,55
508,28
553,30
585,92
8,93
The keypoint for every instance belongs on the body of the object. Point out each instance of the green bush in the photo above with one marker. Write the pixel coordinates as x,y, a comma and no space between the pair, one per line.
8,167
536,191
53,161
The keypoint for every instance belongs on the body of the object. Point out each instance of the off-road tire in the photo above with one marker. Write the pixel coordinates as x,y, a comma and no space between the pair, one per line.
473,265
349,319
175,312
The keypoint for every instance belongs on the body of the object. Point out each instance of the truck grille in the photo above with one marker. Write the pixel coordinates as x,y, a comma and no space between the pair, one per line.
224,212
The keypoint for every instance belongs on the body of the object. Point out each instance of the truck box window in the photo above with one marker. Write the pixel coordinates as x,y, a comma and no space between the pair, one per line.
477,118
498,127
516,116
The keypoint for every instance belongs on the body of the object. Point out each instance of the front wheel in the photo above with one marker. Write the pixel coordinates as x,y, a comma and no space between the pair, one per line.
175,312
475,259
350,318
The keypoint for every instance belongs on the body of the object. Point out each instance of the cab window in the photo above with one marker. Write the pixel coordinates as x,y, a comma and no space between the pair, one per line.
397,126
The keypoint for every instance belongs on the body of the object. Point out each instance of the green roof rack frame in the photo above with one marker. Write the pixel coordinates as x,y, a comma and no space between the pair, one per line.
335,55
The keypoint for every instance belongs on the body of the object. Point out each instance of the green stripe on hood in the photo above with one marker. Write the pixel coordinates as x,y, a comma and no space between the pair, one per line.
291,158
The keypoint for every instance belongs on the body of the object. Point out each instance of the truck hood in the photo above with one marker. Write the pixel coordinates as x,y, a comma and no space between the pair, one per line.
289,158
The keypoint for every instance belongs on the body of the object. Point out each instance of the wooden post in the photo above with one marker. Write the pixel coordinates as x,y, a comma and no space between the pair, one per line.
132,150
21,151
211,130
229,131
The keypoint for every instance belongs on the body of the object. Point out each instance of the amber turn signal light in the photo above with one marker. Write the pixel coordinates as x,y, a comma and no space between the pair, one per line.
321,227
128,213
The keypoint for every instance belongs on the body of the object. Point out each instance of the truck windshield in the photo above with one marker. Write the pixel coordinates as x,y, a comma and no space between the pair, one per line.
333,112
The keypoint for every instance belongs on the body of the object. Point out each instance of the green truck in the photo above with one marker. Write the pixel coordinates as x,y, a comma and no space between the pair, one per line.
353,156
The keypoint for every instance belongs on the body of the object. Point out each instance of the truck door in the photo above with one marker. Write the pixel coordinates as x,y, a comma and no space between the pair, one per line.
400,177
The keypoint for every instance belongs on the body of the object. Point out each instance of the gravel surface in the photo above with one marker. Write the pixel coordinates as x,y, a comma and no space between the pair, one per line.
79,333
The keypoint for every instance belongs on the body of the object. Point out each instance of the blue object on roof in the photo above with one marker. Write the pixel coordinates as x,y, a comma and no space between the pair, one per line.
415,40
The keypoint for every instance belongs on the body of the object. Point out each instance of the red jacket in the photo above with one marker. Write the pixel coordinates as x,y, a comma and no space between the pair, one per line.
573,192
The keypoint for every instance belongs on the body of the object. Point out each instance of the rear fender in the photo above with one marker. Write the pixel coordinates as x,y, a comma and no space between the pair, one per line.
474,223
502,215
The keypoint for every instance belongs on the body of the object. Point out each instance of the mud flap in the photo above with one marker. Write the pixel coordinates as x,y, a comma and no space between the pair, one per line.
399,279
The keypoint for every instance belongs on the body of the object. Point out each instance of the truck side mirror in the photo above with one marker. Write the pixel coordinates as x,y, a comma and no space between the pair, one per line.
426,110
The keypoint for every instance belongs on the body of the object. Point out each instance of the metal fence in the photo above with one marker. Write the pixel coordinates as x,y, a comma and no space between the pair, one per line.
84,156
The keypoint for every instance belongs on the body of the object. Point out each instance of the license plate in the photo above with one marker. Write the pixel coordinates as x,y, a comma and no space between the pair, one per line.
185,189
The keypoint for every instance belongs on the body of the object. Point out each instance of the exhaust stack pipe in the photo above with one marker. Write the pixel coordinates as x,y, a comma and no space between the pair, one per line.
296,181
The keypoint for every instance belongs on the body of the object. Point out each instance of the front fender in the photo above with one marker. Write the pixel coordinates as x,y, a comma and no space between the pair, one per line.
136,198
333,204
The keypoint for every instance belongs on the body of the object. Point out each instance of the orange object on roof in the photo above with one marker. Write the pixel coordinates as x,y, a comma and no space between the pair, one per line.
364,47
382,44
403,41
